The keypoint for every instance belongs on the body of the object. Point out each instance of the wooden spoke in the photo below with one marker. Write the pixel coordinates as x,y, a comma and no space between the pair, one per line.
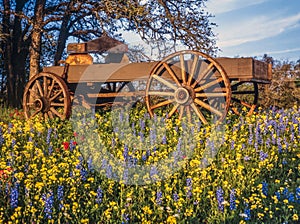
165,82
202,75
50,114
56,95
51,88
36,112
193,68
56,104
207,85
208,107
38,97
181,111
211,94
45,85
46,116
192,76
188,113
161,104
37,82
199,113
171,73
56,113
173,109
182,65
157,93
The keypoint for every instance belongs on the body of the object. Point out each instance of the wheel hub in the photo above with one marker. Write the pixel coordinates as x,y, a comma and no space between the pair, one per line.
182,95
42,104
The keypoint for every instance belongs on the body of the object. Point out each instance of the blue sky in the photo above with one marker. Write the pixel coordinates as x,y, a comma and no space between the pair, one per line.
255,27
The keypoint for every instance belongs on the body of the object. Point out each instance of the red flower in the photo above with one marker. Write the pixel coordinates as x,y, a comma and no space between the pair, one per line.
66,145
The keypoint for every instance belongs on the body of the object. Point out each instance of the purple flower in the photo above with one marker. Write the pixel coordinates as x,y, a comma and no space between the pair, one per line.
1,137
14,196
60,195
232,198
264,188
250,140
153,173
277,194
158,198
126,218
72,145
189,185
297,194
247,212
220,198
247,158
175,197
125,153
142,124
13,143
232,144
263,155
90,163
48,136
291,197
99,195
48,205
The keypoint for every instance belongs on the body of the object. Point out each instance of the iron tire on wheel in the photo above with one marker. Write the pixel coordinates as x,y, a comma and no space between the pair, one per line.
46,95
189,83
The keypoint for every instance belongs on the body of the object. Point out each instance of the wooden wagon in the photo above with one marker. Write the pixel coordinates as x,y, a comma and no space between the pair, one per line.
186,83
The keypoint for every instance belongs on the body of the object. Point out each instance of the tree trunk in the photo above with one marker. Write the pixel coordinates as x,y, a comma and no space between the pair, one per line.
15,54
63,36
35,48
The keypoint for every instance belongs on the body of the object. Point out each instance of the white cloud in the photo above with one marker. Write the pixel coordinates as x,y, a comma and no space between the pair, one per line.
258,28
221,6
284,51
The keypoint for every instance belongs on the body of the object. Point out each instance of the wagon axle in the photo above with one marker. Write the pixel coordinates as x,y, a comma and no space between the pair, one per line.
184,95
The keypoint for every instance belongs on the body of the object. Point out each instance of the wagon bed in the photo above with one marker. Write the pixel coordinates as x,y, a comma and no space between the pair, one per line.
241,69
184,83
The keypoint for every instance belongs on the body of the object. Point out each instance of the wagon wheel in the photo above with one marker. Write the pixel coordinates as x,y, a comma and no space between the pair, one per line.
46,94
189,83
244,97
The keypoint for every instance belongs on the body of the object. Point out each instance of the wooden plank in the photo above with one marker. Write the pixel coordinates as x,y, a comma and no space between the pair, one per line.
119,94
246,69
113,72
242,69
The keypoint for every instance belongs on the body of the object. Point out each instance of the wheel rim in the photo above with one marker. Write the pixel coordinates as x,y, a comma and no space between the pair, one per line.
189,83
46,95
244,97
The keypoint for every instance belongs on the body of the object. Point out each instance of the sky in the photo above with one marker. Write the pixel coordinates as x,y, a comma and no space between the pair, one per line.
252,28
248,28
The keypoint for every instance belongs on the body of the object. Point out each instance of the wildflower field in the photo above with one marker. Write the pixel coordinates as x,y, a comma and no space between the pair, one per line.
60,171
